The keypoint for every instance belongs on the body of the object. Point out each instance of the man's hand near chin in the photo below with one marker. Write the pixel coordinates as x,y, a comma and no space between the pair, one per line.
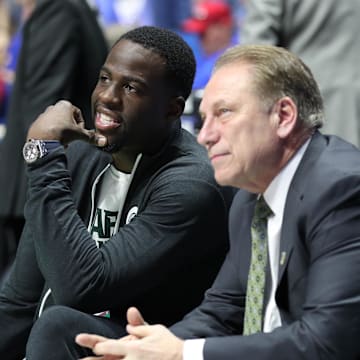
144,342
63,122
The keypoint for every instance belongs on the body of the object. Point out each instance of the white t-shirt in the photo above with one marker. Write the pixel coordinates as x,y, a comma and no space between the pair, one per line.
113,189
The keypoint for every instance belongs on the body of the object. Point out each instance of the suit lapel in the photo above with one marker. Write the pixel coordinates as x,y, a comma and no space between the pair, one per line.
295,200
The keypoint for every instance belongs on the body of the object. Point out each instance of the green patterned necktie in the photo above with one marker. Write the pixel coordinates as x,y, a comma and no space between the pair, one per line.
256,278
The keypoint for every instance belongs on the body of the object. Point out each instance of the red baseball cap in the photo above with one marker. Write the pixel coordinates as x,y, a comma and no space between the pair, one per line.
206,13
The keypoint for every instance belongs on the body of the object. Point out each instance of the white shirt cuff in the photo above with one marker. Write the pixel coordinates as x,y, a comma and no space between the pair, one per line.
193,349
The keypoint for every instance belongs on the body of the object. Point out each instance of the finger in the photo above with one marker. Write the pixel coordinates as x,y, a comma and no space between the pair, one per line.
48,108
78,117
89,340
94,138
110,347
140,331
91,137
134,317
128,338
105,357
76,112
64,103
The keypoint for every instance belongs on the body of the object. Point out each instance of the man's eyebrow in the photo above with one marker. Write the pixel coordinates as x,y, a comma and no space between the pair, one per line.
136,79
104,68
217,104
129,78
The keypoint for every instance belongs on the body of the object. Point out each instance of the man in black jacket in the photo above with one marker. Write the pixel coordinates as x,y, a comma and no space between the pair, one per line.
141,221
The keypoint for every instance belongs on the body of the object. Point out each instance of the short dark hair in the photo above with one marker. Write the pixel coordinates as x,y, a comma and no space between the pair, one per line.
180,60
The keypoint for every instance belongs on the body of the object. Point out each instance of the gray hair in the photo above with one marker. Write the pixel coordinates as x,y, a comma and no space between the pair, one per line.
279,73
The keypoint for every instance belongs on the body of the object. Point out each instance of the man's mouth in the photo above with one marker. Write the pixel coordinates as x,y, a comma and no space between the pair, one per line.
105,122
216,157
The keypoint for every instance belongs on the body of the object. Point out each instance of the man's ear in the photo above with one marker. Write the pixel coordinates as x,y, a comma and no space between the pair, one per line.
176,107
286,114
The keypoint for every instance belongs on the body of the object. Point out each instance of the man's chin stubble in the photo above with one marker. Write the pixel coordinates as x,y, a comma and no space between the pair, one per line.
111,148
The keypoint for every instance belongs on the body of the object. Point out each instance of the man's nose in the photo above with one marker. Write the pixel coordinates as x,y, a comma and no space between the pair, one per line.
208,133
110,94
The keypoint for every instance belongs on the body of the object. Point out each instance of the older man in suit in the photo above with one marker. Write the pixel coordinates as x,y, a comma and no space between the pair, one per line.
289,287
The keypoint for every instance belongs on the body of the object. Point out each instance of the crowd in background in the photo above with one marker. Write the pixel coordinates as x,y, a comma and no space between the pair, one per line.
322,33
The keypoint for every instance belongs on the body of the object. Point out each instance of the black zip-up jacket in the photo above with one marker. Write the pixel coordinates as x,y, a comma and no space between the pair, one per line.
162,261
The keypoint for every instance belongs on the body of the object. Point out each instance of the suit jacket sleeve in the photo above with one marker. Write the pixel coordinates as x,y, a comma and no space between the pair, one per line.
263,22
325,324
51,43
226,297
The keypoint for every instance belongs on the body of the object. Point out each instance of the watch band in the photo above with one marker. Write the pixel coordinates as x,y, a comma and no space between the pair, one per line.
51,145
36,149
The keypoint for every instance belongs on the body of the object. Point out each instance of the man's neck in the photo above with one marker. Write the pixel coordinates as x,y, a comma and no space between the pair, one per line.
124,161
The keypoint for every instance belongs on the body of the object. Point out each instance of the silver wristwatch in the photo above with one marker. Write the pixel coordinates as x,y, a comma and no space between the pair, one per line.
36,149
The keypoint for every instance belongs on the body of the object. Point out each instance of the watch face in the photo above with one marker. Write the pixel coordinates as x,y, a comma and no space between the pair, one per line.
31,152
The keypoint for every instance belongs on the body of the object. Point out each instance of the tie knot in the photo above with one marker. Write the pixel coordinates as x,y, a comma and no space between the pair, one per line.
262,209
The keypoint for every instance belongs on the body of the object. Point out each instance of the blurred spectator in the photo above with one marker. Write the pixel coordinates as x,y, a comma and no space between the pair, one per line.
209,31
17,13
62,50
4,41
324,34
118,16
170,14
129,13
213,25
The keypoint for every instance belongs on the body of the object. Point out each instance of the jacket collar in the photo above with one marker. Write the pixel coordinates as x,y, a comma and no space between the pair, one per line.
295,198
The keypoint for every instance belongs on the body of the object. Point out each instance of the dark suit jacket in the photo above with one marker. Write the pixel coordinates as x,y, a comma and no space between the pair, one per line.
318,290
63,48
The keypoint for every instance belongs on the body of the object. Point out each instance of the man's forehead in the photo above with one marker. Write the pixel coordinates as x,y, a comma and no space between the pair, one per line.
228,78
128,48
130,55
